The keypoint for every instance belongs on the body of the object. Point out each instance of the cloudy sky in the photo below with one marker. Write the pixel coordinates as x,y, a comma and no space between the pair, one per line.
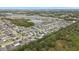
39,3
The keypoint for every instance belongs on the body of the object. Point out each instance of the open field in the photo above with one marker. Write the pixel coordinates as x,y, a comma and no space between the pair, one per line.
22,22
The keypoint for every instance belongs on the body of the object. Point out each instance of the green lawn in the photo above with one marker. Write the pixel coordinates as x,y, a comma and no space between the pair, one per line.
22,22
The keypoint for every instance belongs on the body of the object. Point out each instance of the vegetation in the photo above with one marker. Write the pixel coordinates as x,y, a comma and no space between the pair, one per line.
64,39
22,22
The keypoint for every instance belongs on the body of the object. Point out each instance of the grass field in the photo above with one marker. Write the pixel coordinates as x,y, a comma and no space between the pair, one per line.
22,22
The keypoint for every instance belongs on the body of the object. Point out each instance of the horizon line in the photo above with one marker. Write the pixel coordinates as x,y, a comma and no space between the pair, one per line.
36,8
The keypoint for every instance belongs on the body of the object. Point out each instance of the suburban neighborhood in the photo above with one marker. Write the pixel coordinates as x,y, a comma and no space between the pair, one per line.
12,35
